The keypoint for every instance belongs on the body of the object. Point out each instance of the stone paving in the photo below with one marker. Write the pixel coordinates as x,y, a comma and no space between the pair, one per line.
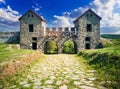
60,71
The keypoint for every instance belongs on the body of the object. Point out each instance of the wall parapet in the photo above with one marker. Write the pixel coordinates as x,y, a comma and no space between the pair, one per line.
61,31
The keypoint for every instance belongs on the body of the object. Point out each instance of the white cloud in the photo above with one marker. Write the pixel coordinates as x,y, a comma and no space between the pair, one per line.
108,10
61,21
12,11
37,9
2,1
117,32
9,19
9,14
36,6
67,18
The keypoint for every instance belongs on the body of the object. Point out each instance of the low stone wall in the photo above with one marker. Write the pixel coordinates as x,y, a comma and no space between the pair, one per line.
9,37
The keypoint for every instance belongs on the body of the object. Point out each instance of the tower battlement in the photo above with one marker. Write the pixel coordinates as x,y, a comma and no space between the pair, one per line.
61,31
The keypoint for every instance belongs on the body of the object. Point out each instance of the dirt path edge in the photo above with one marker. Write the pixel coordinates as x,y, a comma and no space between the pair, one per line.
14,66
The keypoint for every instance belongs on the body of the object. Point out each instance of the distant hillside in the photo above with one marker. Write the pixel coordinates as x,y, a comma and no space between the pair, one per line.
111,36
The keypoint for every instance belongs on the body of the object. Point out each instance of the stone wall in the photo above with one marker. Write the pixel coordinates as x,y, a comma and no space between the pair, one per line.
59,35
83,33
9,37
42,42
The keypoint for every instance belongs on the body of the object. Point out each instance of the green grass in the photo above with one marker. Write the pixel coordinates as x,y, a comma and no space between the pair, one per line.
10,52
21,75
109,50
107,63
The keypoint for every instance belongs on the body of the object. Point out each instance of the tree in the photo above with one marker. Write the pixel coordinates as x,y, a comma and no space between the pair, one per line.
52,47
68,47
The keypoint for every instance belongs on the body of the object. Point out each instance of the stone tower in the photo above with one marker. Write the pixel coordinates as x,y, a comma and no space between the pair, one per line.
32,26
88,25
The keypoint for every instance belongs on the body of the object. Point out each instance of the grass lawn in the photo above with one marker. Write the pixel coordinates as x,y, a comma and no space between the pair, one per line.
113,50
10,52
107,63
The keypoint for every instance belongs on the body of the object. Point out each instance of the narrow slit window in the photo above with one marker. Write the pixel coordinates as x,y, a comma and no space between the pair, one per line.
87,38
89,27
91,15
34,38
72,29
77,29
66,29
32,15
31,27
28,15
87,15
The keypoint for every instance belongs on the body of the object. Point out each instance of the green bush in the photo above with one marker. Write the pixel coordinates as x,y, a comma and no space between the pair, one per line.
52,47
107,44
68,47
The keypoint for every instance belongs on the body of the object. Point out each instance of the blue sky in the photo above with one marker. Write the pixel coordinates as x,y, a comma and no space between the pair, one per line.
60,12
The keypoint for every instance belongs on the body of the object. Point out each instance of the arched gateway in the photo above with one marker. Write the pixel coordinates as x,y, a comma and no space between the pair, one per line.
34,34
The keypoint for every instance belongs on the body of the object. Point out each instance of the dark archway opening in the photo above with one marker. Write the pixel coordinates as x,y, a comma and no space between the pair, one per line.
50,47
69,47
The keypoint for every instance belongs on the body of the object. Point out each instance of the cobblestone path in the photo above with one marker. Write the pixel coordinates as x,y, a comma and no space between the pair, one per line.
59,71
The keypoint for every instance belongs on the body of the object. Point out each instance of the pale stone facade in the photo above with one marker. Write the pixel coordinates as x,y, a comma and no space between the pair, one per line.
89,17
35,35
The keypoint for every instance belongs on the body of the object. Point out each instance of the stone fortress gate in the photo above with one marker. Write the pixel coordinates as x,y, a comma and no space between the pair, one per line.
35,35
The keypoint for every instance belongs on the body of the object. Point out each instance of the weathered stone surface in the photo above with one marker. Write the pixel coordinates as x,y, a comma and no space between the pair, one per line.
23,83
92,79
52,77
48,81
26,85
59,82
37,83
87,87
63,87
77,83
76,77
91,71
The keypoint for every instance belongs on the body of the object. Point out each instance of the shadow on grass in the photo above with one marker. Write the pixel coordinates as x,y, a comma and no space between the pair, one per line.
107,66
